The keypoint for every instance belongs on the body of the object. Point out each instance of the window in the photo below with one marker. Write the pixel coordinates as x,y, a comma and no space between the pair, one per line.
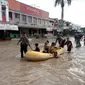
3,13
39,21
3,10
29,19
10,15
42,21
34,20
24,18
47,22
17,15
3,7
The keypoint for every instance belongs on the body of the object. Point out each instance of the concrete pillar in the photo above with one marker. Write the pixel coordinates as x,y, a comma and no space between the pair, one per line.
26,19
20,18
13,15
37,21
7,14
0,13
32,19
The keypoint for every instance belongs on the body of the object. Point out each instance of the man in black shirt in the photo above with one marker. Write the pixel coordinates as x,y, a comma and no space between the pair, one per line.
24,42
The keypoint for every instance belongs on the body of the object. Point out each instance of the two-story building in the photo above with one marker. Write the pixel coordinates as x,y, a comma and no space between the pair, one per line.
16,17
29,19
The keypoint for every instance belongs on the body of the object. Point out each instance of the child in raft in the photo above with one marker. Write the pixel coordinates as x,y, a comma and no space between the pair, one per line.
69,45
37,48
47,42
46,47
52,49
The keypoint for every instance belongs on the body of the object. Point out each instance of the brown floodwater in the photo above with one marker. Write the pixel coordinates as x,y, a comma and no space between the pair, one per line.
68,69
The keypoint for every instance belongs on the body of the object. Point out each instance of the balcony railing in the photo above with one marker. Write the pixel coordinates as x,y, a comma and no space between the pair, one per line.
15,21
32,25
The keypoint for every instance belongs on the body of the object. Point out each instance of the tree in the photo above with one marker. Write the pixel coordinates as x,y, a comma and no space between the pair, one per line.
62,3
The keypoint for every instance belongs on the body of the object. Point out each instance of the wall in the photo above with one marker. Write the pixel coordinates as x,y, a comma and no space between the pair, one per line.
6,17
17,6
45,14
34,11
14,5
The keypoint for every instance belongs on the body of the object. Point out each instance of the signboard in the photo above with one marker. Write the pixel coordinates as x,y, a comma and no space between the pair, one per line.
8,27
34,11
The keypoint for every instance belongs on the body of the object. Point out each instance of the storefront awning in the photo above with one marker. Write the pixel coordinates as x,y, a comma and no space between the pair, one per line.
8,27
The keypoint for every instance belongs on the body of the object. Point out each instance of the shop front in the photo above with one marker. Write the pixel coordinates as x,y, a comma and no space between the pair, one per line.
7,31
32,32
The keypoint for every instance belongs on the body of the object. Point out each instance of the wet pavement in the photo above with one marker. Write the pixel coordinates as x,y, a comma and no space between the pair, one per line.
68,69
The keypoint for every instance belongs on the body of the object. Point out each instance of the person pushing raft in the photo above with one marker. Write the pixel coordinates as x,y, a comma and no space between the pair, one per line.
24,42
69,45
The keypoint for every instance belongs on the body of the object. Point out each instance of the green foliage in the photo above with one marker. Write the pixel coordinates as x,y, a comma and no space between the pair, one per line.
62,2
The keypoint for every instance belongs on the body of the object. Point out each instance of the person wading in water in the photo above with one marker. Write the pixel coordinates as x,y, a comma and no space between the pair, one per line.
24,42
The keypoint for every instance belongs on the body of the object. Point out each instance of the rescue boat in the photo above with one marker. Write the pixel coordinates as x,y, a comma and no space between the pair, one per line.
38,56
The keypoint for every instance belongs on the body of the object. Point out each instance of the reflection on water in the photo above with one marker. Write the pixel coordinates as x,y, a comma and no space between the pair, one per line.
68,69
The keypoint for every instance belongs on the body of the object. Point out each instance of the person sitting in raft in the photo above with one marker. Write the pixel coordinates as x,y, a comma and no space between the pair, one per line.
53,50
47,42
52,47
46,47
36,47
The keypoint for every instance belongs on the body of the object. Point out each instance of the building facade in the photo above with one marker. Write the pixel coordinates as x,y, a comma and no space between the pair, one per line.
5,26
16,17
29,19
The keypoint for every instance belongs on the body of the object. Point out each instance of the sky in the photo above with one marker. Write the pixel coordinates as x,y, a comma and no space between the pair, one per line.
74,13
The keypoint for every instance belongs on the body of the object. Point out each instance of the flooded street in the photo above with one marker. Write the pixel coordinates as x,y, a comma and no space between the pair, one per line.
68,69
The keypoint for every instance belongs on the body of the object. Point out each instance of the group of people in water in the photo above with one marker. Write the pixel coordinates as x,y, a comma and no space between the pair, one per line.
24,42
78,37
